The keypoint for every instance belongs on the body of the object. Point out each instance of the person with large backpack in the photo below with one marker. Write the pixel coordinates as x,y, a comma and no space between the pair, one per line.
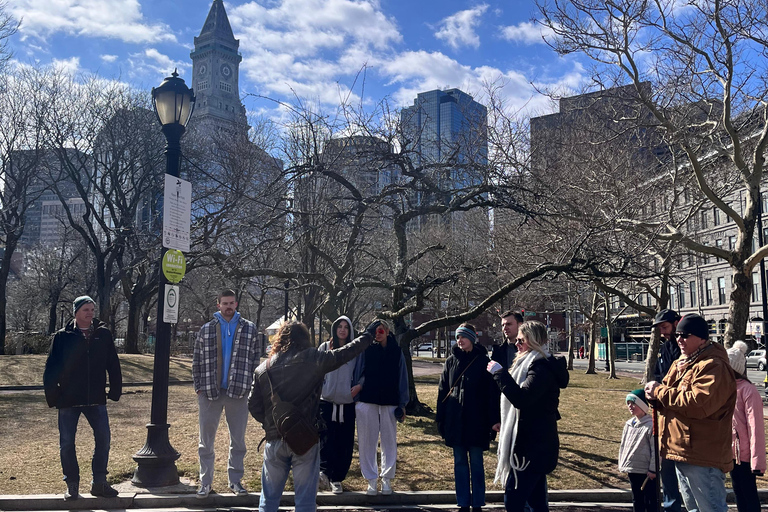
285,400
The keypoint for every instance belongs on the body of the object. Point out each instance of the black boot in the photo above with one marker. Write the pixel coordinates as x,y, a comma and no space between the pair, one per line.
463,509
73,491
104,490
477,509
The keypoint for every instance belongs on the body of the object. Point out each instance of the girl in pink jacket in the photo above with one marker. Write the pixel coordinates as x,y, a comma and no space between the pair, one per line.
748,434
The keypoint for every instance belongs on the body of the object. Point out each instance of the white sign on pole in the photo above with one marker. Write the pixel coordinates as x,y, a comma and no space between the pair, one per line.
171,304
177,211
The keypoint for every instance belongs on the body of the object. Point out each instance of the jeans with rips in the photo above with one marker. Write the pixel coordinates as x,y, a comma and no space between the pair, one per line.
278,461
466,469
99,421
702,488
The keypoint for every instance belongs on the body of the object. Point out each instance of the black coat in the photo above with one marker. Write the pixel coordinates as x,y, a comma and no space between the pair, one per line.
500,354
537,400
466,414
76,368
669,352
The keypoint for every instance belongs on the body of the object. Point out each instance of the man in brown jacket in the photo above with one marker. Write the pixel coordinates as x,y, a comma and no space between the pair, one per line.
695,404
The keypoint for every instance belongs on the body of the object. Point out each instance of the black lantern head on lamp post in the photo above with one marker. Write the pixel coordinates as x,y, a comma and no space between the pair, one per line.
174,103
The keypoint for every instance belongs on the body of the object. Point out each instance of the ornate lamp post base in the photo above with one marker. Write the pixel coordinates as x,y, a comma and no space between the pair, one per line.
156,460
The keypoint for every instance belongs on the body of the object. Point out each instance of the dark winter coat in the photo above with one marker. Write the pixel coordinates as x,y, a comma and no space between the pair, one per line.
537,400
669,352
76,369
466,414
501,353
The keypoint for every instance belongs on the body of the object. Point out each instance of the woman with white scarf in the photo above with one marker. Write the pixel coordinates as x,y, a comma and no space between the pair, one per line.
528,440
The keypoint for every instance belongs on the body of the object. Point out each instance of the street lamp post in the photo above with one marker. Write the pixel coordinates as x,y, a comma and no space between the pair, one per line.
173,102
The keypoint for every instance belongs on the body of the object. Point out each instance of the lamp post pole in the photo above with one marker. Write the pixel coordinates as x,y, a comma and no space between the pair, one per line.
156,460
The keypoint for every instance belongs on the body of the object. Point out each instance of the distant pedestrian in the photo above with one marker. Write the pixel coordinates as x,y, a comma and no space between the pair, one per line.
748,428
528,440
337,409
225,356
82,355
467,414
637,456
581,352
695,408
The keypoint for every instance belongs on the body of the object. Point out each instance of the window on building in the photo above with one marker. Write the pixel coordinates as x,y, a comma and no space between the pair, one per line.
672,298
202,85
708,291
721,289
681,295
755,287
692,293
224,86
765,202
731,243
719,243
691,259
716,216
704,223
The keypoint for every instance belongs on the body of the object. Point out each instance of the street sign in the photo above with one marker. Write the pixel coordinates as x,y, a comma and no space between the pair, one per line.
530,313
174,265
177,211
171,304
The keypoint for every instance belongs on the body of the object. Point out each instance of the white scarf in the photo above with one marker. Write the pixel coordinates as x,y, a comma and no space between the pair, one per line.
507,459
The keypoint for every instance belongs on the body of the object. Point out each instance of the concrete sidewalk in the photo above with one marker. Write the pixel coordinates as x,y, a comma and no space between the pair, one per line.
167,499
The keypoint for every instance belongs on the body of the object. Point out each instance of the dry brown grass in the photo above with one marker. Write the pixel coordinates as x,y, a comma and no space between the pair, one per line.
28,370
592,409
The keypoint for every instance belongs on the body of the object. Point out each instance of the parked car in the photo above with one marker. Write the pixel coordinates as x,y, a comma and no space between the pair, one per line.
756,358
424,347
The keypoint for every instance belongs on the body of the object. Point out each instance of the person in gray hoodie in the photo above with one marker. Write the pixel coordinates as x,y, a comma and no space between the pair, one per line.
337,409
637,456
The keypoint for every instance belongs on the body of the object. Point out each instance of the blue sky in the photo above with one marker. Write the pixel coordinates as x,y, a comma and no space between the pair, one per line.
311,48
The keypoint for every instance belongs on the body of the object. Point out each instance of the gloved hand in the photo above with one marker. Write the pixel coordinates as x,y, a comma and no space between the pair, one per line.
493,367
371,329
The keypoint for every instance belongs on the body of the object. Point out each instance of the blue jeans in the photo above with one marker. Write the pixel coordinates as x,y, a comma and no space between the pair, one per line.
462,469
278,461
671,500
99,421
702,488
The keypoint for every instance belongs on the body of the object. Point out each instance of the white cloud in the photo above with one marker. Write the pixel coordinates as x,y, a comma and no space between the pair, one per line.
108,58
152,63
69,66
526,32
305,47
113,19
459,29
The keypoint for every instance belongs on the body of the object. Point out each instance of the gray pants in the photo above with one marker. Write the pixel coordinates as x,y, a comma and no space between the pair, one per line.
236,414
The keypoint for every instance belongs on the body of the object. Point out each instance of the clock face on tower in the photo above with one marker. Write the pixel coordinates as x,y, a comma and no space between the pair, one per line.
203,69
226,71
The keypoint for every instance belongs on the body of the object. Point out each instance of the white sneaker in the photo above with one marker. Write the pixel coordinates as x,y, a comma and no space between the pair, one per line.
336,488
386,487
371,488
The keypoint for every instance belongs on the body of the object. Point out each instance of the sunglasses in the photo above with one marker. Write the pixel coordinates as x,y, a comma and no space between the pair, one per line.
519,340
681,335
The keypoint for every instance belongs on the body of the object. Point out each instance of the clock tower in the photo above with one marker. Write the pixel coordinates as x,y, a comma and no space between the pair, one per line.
215,75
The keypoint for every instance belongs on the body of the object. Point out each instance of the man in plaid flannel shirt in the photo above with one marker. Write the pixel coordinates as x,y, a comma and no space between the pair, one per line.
226,353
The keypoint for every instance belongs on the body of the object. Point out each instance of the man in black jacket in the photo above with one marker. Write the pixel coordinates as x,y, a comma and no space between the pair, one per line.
666,320
81,355
505,353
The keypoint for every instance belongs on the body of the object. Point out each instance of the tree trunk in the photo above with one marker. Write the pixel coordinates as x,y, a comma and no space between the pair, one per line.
5,270
571,340
738,309
134,320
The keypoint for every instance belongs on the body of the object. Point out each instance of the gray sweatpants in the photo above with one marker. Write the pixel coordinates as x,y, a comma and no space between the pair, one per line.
236,414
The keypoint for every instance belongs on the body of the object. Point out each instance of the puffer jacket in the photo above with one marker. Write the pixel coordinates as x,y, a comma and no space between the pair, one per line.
297,377
636,453
748,428
467,399
537,399
76,369
696,406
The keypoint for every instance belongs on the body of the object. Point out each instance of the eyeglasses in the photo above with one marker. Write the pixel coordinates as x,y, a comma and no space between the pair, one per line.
681,335
519,340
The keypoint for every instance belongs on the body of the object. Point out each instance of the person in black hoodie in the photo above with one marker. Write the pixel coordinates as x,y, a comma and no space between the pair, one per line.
467,413
81,355
528,440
